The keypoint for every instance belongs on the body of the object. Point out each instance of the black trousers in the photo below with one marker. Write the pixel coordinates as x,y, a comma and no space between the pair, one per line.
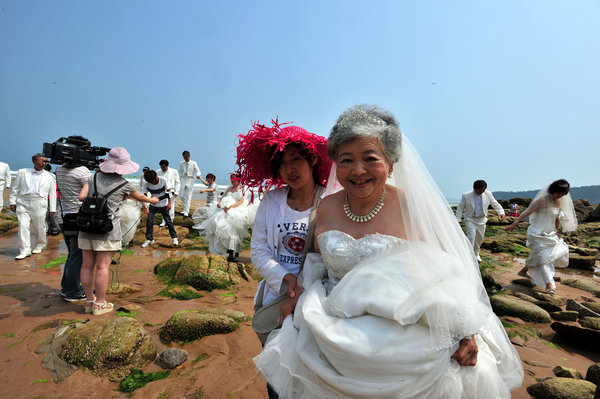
150,222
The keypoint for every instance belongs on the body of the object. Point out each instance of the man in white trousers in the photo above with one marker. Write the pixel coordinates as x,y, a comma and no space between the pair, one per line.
474,206
188,172
173,184
33,190
4,181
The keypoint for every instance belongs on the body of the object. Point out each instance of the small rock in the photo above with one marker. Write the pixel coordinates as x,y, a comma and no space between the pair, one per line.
563,388
548,307
171,358
565,315
508,305
535,363
566,372
593,374
582,262
525,282
584,285
554,299
590,322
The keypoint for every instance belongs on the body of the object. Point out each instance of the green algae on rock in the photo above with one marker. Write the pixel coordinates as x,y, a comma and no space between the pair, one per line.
107,344
187,326
137,379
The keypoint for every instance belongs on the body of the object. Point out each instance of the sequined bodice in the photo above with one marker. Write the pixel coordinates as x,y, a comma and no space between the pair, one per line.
342,252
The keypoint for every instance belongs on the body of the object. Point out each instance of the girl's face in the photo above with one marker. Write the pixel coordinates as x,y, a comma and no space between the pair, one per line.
235,181
362,168
295,170
557,196
210,179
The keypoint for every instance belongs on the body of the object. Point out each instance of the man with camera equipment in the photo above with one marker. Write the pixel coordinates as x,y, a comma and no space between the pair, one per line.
29,199
4,181
173,184
188,171
71,177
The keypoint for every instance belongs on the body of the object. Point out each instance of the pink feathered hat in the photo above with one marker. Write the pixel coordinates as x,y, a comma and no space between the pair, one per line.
257,148
119,162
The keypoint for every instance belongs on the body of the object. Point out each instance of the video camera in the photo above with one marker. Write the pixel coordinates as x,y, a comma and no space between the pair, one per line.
74,150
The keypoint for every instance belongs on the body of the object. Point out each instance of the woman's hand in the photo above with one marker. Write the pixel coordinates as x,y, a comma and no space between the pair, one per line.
292,283
288,305
510,227
466,354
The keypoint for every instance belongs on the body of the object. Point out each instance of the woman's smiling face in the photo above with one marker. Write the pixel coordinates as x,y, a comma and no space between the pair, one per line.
362,168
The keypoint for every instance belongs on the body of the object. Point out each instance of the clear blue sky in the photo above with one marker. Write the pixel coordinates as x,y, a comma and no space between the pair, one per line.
507,91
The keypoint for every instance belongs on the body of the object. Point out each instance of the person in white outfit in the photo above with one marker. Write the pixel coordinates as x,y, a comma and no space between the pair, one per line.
188,172
474,206
173,184
4,181
34,190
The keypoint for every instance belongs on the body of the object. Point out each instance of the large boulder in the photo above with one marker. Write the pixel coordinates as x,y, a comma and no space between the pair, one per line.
187,326
562,388
508,305
580,337
109,344
584,285
593,374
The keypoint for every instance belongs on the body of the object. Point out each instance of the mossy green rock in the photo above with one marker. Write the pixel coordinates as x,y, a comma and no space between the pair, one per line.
187,326
179,292
584,285
518,330
510,244
590,322
582,262
508,305
197,271
595,306
168,267
562,388
567,372
109,344
565,315
7,225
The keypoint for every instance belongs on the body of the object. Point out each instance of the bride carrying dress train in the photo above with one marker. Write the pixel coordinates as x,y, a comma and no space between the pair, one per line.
393,305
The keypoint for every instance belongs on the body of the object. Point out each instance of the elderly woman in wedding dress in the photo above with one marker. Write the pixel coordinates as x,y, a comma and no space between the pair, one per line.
393,305
552,207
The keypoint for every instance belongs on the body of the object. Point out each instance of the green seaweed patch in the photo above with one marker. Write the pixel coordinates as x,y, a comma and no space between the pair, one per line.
46,306
247,240
69,322
9,335
146,324
138,271
200,358
519,250
26,363
8,290
40,381
56,262
179,293
522,331
552,344
15,343
137,379
228,294
125,251
126,313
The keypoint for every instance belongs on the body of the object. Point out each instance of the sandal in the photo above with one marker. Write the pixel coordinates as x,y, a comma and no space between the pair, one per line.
102,308
88,306
550,291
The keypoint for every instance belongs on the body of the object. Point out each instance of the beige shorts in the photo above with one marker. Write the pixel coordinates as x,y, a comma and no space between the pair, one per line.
98,245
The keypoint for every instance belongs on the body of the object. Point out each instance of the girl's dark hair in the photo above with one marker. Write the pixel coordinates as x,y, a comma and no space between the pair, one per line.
276,160
209,175
559,186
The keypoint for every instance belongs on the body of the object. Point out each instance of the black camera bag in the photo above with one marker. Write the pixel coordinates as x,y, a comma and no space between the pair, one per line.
93,213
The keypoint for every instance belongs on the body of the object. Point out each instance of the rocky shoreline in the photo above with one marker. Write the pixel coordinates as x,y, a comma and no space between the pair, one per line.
182,325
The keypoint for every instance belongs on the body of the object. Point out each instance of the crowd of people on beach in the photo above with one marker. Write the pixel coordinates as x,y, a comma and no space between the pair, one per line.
370,287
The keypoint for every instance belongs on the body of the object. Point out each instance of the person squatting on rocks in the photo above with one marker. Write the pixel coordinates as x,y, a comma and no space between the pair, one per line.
188,172
474,206
551,208
33,192
70,179
157,187
4,181
98,249
173,184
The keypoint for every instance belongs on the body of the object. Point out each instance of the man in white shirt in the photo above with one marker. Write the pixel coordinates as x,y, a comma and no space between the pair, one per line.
474,206
188,172
33,190
172,178
4,181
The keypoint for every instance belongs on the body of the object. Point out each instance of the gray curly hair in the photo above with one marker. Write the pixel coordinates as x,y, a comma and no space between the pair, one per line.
363,121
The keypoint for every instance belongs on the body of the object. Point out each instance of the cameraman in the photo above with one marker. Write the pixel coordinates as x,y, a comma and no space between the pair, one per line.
70,179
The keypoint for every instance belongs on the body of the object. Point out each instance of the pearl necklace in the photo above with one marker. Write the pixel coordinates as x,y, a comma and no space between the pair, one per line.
362,219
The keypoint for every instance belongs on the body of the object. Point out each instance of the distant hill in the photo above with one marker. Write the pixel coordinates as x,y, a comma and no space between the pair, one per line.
590,193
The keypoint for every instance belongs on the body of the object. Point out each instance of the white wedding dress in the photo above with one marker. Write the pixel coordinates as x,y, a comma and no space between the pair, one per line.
365,327
226,230
548,250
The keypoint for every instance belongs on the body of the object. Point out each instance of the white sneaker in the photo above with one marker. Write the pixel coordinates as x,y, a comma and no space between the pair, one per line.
23,255
175,241
478,258
185,214
148,242
37,250
162,224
